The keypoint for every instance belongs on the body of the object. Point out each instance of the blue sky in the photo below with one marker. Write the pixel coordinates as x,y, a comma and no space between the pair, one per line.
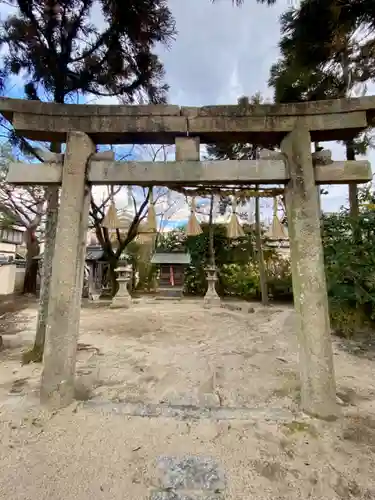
221,53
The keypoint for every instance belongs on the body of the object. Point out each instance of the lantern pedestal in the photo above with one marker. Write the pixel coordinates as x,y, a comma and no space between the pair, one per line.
211,298
122,299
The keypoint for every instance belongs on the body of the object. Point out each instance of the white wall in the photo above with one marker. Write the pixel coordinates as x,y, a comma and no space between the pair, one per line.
7,278
7,248
20,275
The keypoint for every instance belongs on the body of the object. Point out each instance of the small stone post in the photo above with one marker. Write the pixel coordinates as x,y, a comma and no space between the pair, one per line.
57,386
211,298
318,392
122,299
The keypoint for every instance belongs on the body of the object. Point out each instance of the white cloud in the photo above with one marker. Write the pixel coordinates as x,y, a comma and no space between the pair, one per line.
220,53
220,49
223,52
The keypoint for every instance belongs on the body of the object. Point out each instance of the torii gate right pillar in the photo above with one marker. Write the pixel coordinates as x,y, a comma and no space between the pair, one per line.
318,391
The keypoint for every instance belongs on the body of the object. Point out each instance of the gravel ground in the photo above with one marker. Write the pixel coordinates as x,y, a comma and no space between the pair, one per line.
178,402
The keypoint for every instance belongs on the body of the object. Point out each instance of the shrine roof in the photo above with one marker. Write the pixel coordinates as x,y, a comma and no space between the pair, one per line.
171,258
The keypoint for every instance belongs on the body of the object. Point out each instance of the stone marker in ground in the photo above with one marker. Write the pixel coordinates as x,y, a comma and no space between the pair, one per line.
189,478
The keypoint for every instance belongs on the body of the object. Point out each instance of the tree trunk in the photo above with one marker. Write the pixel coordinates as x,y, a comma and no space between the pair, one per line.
350,151
353,200
144,267
36,353
113,263
353,194
133,280
316,146
262,268
31,273
31,270
52,197
353,189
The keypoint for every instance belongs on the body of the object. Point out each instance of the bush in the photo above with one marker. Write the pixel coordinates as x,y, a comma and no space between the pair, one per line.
240,281
195,281
279,278
349,251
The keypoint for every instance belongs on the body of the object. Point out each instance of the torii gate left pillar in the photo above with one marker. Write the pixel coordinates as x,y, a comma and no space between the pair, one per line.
59,361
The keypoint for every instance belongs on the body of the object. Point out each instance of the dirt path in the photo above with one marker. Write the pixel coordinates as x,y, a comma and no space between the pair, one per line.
184,403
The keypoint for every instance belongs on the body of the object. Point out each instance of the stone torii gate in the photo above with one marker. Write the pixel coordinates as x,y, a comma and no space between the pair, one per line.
291,126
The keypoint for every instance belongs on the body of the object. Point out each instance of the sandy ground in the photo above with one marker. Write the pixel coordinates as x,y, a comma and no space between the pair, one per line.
173,361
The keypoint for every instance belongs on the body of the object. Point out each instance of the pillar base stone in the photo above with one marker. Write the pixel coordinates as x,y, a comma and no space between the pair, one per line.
121,303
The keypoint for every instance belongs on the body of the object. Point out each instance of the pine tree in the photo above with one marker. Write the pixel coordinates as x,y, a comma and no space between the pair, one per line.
327,66
62,53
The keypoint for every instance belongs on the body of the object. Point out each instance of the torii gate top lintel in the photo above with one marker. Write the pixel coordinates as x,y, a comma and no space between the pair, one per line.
264,124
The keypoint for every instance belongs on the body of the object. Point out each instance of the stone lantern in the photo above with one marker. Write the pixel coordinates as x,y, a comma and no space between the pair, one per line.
211,298
122,299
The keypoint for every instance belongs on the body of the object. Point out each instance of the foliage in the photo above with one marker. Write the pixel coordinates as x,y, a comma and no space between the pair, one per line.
241,281
279,278
172,241
226,252
236,261
62,54
350,270
324,67
237,151
60,51
339,22
333,65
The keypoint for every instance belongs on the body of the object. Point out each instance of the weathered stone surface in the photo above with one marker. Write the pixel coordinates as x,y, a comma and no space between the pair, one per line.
9,106
189,172
57,386
342,172
211,301
183,412
49,156
176,495
190,473
330,106
323,157
38,174
104,129
238,307
209,400
207,126
122,299
160,124
318,394
211,298
187,148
